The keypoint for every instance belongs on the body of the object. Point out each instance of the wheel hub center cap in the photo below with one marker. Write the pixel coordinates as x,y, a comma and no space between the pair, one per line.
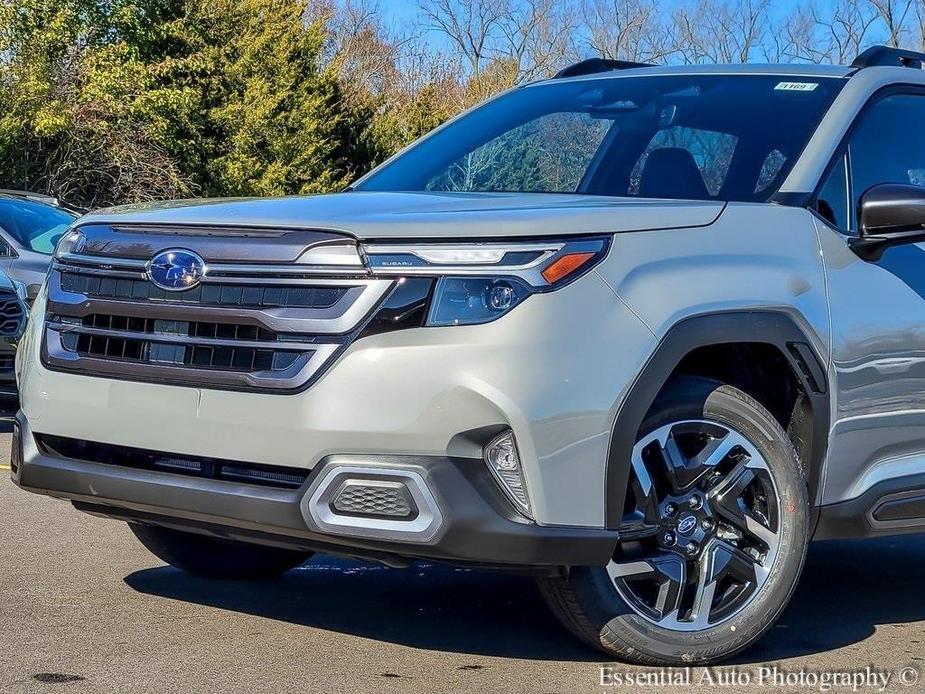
687,524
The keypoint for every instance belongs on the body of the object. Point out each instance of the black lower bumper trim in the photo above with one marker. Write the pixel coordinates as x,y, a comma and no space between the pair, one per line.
891,507
479,525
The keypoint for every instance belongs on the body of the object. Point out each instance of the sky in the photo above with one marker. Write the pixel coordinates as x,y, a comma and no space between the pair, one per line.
398,11
400,15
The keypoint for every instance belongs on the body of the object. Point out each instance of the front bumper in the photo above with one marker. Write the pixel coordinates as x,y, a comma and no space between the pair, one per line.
476,523
553,371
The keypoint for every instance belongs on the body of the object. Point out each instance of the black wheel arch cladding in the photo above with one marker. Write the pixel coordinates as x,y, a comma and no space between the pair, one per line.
769,327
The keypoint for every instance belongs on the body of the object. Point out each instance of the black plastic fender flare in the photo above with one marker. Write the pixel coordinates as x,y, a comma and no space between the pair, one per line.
761,326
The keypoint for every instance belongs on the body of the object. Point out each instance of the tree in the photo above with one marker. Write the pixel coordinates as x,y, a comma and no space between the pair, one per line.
278,121
66,124
134,100
632,30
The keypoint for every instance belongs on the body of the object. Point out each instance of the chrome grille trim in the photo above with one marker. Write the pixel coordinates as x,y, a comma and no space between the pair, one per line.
359,300
239,269
99,271
169,338
101,262
74,262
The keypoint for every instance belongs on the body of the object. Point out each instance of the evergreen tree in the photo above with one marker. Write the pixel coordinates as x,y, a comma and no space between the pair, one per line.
127,100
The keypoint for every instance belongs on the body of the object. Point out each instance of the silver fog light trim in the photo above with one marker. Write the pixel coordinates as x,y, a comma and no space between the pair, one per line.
503,460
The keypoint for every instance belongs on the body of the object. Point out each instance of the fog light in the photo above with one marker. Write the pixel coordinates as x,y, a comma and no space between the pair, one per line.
504,462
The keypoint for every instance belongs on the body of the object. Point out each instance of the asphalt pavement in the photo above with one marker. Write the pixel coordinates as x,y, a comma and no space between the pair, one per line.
86,609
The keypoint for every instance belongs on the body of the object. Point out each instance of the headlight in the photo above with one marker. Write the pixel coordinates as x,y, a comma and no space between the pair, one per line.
480,282
21,291
471,300
72,242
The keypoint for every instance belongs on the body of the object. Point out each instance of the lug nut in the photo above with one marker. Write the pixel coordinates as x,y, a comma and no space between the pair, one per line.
692,548
668,538
670,509
695,502
706,524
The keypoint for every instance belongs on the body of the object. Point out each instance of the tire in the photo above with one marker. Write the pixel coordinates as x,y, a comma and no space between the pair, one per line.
602,609
208,557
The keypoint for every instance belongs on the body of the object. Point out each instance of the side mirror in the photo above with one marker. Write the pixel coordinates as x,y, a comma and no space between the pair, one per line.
889,214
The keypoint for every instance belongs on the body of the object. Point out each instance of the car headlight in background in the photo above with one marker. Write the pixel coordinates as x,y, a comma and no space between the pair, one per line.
21,291
72,242
480,282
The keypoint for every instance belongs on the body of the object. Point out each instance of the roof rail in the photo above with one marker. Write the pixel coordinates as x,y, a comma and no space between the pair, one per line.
594,65
28,195
886,55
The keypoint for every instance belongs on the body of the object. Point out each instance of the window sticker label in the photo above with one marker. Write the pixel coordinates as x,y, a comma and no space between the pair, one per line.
796,86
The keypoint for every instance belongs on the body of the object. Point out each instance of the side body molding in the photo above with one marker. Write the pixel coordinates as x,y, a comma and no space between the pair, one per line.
759,326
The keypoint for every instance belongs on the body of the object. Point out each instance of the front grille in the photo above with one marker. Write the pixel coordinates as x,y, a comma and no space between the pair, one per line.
210,468
152,352
11,315
231,295
153,326
272,326
7,362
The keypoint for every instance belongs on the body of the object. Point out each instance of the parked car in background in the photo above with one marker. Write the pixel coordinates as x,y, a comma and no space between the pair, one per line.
14,310
30,226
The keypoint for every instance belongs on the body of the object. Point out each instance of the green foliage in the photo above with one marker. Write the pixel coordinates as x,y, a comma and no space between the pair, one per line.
125,100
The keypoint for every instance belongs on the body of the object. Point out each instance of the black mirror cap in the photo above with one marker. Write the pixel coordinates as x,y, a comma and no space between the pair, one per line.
889,214
890,208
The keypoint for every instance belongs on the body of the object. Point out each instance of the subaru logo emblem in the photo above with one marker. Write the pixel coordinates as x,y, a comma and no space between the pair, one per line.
176,269
686,524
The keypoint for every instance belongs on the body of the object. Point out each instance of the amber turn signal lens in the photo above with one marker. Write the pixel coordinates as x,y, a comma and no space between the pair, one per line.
565,266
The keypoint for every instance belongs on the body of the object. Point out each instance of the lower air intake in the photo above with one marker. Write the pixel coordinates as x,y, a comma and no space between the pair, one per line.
374,498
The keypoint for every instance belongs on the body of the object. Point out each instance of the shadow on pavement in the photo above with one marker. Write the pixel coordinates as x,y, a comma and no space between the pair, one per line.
427,606
848,588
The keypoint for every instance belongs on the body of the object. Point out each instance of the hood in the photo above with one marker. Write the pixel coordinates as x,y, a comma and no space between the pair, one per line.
377,215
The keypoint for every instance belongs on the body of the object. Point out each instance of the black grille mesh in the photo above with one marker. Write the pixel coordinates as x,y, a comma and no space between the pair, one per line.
147,351
11,315
233,295
223,331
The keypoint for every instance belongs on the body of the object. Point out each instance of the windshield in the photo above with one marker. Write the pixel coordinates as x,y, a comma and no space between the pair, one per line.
34,225
700,137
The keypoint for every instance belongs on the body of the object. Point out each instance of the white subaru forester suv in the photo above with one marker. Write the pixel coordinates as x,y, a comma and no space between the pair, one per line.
644,331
